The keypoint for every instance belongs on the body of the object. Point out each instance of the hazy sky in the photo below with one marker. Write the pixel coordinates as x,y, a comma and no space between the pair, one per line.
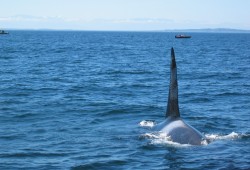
124,14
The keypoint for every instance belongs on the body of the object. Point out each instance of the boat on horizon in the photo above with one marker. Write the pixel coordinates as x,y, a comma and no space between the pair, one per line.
182,36
3,32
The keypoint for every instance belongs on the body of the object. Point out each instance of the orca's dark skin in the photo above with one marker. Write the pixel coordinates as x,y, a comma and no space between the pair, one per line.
174,127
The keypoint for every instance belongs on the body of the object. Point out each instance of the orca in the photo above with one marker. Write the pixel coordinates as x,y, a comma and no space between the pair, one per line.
174,126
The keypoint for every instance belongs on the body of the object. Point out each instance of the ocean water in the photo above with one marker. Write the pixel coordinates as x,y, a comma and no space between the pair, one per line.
88,100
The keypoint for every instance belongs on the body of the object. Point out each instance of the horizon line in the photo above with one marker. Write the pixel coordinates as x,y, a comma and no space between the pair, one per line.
212,30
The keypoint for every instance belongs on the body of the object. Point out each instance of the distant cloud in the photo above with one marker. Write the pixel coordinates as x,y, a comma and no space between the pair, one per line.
5,18
59,22
29,18
59,18
143,20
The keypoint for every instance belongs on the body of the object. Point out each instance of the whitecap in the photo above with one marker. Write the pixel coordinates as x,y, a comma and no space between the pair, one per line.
147,123
230,136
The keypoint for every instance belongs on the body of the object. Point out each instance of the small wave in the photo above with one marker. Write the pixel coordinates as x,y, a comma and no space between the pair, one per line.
246,136
147,123
230,136
104,164
31,154
25,115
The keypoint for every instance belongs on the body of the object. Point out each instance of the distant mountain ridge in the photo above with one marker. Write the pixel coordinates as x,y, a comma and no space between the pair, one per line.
211,30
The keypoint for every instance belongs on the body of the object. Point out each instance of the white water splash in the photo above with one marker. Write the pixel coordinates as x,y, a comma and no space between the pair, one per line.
162,139
147,123
230,136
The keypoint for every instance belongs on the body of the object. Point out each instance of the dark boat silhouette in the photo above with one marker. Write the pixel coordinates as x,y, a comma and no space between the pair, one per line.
3,32
182,36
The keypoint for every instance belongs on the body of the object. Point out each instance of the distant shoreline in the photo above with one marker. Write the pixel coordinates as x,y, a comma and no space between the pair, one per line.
210,30
206,30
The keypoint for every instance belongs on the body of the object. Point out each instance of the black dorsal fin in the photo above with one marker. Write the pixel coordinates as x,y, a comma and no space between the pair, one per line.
173,106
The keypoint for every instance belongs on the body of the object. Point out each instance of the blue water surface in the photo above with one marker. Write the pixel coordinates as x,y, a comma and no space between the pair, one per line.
75,100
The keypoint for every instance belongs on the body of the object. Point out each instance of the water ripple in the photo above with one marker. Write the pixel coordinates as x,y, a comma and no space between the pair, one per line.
75,100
